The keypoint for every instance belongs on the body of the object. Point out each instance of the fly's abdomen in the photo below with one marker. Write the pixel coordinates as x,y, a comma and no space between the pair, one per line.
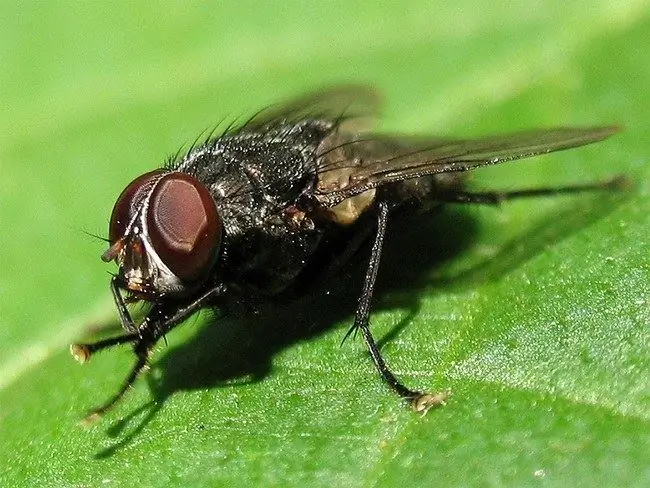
426,189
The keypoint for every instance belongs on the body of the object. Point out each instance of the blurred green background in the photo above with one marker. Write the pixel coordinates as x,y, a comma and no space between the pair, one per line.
534,314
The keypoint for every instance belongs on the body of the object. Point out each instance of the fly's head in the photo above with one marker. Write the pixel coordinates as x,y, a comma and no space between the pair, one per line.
165,234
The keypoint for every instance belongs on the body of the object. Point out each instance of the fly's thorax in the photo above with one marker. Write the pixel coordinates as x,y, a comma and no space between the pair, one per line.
165,234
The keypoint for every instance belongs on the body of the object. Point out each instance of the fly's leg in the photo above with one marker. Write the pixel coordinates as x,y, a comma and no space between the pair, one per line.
123,312
82,352
419,401
142,349
496,197
159,321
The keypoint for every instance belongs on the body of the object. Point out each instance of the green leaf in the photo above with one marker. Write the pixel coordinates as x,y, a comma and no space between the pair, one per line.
534,314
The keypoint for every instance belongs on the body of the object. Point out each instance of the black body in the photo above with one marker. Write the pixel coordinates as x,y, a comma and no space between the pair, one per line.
296,191
264,182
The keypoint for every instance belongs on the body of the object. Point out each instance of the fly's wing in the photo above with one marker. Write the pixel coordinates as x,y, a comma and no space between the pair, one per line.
351,108
375,161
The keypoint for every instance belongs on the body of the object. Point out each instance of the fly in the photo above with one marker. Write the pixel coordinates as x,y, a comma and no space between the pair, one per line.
291,194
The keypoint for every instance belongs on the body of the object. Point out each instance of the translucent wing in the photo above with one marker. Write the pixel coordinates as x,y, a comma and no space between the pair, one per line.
352,108
374,161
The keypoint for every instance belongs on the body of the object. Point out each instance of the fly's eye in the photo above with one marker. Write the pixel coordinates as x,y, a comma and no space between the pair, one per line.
127,203
183,224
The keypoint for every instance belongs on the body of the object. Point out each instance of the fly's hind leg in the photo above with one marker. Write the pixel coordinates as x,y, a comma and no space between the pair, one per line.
496,197
419,401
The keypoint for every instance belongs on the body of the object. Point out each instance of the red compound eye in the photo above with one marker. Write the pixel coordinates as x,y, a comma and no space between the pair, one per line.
183,225
128,203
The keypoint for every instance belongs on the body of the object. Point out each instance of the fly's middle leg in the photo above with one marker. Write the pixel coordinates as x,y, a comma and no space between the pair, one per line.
419,401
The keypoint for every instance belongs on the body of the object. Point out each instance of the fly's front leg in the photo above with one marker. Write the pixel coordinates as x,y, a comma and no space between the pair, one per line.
160,320
122,311
419,401
142,349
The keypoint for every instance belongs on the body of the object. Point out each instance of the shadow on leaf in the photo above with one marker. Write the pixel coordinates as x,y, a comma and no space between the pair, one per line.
239,350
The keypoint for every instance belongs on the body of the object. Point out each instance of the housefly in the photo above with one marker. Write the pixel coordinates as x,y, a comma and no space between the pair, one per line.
291,194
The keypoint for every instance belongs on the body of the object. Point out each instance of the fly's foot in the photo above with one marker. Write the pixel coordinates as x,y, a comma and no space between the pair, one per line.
81,352
619,182
425,401
90,419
